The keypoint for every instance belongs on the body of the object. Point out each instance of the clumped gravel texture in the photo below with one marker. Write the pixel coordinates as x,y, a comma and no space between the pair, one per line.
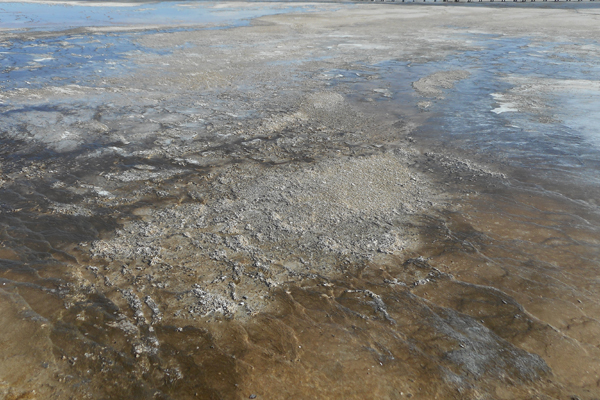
258,227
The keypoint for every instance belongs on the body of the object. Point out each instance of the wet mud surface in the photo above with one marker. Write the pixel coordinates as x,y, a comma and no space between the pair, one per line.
356,202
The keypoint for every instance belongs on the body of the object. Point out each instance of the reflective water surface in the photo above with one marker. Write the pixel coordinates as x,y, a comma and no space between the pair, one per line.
61,15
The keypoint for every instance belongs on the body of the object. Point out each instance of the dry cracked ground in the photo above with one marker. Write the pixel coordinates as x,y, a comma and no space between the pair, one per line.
226,217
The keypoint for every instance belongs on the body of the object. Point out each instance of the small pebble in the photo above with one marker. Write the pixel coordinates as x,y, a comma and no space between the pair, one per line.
252,396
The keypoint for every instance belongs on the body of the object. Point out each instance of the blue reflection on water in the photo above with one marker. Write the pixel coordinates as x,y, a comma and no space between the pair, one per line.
66,59
560,144
63,16
75,58
568,143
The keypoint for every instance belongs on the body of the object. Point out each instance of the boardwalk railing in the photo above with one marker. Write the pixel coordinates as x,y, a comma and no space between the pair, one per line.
474,1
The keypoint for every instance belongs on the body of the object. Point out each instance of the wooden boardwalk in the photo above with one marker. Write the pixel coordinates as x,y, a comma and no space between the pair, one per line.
477,1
